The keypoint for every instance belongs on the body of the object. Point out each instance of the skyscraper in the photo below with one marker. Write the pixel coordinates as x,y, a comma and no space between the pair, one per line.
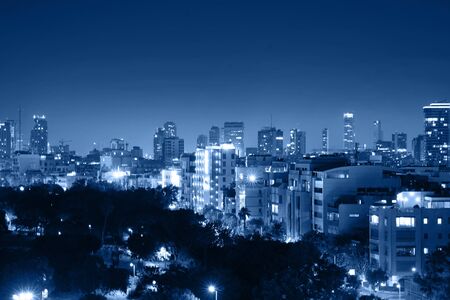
437,117
270,141
158,141
349,132
233,133
214,136
170,129
297,143
325,141
419,149
173,147
399,141
5,140
39,135
202,141
377,133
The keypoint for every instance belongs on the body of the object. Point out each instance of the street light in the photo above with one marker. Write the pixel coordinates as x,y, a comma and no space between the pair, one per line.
212,289
399,290
134,268
23,296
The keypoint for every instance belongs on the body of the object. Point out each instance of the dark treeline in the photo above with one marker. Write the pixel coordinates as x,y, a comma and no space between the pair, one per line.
59,239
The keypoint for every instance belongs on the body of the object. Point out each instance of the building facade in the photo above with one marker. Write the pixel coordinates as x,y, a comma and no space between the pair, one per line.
402,234
437,133
349,132
233,133
39,136
270,141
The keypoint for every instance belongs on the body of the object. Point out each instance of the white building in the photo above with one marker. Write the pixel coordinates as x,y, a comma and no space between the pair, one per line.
401,235
214,173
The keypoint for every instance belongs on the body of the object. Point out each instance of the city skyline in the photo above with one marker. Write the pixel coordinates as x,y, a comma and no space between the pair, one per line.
314,143
128,69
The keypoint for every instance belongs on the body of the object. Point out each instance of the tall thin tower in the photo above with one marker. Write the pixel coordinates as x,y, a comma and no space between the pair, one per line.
20,139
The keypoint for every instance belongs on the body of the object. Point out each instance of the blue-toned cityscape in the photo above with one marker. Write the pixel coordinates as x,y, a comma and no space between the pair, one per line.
394,192
224,150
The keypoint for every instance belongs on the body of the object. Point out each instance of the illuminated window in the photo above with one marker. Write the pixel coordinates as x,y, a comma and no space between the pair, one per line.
404,221
374,219
425,220
425,250
275,209
439,221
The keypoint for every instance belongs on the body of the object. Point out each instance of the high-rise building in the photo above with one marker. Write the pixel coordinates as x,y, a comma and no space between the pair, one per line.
173,147
399,141
297,143
419,149
233,133
214,136
170,129
39,135
349,132
158,141
325,141
118,144
377,132
214,174
270,141
437,117
202,141
5,140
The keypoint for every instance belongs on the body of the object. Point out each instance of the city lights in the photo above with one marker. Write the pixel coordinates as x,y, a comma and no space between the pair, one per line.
23,296
213,289
214,149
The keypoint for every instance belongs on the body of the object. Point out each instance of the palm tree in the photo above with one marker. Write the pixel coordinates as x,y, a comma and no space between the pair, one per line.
243,214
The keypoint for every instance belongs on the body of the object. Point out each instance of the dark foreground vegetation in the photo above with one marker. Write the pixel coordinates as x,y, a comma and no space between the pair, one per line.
84,241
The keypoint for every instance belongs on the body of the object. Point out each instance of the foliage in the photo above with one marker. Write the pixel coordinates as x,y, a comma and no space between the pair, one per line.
376,277
435,282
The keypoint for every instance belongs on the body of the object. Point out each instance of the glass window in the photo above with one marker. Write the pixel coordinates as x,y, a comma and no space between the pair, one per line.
425,220
439,221
374,219
404,221
425,250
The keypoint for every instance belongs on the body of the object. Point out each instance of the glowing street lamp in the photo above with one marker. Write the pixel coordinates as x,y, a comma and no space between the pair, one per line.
212,289
23,296
399,290
134,268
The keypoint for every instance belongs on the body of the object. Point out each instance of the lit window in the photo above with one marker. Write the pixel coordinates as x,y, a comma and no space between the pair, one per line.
425,220
425,250
405,221
439,221
374,219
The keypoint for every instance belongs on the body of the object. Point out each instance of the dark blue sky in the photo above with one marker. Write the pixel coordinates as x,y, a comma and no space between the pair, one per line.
102,69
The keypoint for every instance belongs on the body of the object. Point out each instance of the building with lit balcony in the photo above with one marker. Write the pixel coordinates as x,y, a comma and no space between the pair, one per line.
403,233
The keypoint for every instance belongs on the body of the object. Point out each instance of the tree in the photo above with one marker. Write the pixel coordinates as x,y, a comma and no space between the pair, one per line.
141,245
244,213
277,231
376,277
3,221
435,282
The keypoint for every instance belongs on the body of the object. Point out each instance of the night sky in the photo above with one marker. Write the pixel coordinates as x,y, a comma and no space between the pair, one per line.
103,69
